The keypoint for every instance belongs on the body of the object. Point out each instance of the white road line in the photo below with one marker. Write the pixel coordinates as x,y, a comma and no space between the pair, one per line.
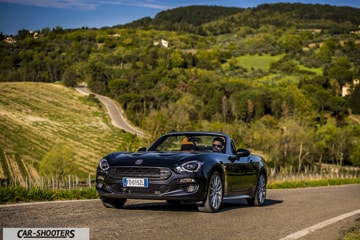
318,226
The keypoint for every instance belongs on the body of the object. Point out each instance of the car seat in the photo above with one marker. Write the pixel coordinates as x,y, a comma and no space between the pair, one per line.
187,145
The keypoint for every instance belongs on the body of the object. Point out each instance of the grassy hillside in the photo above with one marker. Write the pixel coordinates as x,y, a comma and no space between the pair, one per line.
35,116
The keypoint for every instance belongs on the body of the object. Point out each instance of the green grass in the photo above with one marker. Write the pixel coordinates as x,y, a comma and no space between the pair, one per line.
317,71
353,233
278,80
255,61
20,194
312,183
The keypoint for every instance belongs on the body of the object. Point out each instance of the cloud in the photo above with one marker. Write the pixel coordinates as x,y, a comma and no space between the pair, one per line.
67,4
89,4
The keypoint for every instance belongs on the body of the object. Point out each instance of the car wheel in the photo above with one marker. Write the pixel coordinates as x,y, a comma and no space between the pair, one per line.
214,194
260,192
113,202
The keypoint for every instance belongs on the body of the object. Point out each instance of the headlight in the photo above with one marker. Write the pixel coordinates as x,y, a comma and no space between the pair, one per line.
191,166
104,165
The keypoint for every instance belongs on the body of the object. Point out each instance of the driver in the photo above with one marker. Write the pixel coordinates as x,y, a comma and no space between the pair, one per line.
218,144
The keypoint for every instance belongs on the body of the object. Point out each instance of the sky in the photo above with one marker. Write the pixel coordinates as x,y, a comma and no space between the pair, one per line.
35,15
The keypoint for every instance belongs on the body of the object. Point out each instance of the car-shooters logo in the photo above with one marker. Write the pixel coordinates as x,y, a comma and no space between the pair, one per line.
46,233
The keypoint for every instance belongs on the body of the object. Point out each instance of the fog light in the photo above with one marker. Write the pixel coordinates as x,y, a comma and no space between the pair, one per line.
99,185
191,188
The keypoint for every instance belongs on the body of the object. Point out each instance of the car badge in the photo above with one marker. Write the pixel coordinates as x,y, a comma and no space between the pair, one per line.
139,162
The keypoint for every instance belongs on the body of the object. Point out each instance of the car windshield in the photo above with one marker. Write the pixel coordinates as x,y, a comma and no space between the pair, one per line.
188,142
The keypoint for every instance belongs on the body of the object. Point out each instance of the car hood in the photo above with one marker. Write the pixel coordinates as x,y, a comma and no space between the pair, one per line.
149,159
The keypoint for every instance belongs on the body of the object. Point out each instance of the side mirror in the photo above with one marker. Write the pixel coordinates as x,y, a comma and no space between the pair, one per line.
242,152
143,149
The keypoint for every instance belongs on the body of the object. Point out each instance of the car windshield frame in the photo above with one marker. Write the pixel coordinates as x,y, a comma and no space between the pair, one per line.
202,142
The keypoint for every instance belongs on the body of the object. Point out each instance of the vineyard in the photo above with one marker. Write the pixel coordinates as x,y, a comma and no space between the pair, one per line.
35,116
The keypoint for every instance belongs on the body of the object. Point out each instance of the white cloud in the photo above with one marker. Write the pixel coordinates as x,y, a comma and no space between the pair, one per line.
89,4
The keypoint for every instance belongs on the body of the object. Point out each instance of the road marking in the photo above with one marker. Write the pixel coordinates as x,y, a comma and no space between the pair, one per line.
318,226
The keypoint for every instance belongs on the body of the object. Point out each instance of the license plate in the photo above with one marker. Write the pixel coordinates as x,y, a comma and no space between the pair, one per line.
135,182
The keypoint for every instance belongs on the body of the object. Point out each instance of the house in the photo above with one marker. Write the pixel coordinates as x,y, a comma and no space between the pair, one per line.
161,43
116,35
347,88
10,40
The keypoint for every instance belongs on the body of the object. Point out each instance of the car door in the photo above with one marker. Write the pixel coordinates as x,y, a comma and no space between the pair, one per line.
239,174
252,170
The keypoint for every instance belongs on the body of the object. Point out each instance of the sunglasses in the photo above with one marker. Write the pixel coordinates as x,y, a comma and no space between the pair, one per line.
217,145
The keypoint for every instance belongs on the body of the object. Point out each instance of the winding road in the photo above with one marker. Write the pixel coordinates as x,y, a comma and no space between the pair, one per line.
322,213
115,112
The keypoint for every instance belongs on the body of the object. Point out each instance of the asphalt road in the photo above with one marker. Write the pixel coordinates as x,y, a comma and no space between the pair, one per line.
115,112
318,212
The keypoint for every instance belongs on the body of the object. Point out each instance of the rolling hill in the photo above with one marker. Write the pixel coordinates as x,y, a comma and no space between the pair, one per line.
35,116
215,20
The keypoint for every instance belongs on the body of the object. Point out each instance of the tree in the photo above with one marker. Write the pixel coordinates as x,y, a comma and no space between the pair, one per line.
339,109
291,43
354,151
295,144
98,80
176,60
23,33
341,144
70,77
238,105
58,162
301,105
354,100
156,123
342,74
130,142
118,86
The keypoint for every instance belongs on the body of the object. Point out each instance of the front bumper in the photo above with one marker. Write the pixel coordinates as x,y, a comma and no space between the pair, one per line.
186,187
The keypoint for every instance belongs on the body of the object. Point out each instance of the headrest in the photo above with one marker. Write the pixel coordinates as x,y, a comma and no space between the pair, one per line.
186,141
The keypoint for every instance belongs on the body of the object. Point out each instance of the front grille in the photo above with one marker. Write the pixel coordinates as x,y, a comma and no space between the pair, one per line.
140,172
152,189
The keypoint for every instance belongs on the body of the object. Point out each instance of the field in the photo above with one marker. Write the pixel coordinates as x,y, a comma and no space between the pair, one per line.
35,116
257,62
263,62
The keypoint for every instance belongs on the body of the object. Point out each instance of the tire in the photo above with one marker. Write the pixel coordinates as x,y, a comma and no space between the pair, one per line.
113,202
260,192
214,194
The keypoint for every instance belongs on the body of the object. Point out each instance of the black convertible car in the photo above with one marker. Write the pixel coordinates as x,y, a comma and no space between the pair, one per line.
200,167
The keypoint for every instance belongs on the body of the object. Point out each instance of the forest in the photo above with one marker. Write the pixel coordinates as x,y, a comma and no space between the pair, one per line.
271,76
